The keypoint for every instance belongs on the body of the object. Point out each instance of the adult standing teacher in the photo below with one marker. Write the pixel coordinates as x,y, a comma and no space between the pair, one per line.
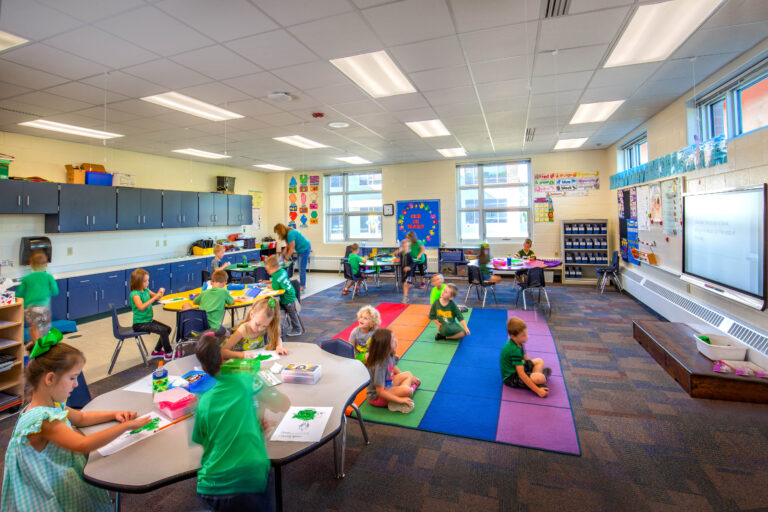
295,243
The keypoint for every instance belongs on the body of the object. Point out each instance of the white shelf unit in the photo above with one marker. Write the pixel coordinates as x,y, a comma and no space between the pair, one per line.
584,246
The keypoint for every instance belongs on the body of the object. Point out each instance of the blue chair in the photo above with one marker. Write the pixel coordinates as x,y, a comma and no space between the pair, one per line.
188,323
609,274
357,280
535,280
342,348
123,333
475,280
80,396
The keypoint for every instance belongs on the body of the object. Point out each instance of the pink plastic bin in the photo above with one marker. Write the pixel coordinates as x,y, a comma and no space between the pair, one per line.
176,402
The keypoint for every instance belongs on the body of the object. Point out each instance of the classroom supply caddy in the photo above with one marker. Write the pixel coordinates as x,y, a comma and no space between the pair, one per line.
584,246
302,373
719,346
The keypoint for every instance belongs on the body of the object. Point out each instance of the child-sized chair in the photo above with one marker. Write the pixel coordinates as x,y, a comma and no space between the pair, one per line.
475,279
122,334
188,323
609,274
356,280
534,281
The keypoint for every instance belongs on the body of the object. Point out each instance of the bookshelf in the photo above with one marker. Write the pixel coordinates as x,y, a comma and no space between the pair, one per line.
12,344
584,246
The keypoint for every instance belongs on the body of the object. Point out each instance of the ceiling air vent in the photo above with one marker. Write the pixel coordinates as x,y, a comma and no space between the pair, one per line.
554,8
529,134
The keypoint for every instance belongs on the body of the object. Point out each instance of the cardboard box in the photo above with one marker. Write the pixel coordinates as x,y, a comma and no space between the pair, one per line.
93,167
76,176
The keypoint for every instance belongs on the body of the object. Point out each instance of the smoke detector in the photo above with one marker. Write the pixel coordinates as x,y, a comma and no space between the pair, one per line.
338,124
280,96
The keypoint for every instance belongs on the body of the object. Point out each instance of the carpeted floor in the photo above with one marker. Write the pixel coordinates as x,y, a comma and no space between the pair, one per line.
646,445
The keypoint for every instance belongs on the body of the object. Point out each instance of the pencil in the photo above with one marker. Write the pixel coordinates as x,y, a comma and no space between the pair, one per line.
173,422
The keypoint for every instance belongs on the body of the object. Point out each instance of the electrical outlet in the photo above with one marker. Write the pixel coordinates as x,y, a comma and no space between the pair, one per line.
165,243
157,243
69,251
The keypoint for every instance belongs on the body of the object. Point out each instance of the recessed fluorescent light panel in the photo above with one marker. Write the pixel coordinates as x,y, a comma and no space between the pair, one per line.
656,30
273,167
433,128
300,142
9,41
191,106
70,129
376,73
355,160
570,143
203,154
595,112
452,152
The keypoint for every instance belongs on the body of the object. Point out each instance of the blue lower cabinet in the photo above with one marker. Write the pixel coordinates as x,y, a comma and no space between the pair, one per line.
83,297
59,302
160,277
179,278
195,269
111,290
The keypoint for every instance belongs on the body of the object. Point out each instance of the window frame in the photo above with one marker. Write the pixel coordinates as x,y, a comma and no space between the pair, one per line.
630,151
481,211
347,215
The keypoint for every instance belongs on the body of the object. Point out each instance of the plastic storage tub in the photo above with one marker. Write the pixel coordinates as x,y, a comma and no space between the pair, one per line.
98,178
302,373
176,402
720,347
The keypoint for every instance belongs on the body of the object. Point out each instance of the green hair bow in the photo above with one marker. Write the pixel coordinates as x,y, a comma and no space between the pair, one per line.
44,344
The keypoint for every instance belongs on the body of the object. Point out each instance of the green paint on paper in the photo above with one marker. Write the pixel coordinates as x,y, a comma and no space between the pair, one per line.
149,427
305,414
262,357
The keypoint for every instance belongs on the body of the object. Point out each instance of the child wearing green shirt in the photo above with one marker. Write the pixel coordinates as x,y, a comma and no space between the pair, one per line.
438,284
517,369
288,303
355,261
36,289
446,314
234,470
215,299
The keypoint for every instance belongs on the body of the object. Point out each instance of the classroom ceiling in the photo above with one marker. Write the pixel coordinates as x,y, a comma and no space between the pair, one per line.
489,69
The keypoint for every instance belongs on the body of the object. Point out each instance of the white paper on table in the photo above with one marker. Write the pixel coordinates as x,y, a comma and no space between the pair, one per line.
293,428
258,352
169,301
126,439
144,384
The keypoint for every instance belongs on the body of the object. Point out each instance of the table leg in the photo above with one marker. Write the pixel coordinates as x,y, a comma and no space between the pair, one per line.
278,490
117,502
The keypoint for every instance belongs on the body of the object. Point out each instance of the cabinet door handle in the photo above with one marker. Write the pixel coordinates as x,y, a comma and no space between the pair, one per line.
85,281
138,219
87,219
179,218
97,296
183,218
94,220
27,200
102,294
144,219
19,200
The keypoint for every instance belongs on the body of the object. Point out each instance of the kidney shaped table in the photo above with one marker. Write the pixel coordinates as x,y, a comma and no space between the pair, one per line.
170,455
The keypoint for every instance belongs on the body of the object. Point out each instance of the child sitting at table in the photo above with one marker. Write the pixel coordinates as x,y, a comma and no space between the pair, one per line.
288,302
355,260
446,314
45,457
215,299
526,253
36,289
368,320
389,387
517,369
216,264
141,299
483,259
234,469
261,329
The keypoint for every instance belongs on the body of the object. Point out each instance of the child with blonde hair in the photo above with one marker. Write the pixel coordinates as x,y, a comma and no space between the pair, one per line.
368,320
260,329
517,369
46,456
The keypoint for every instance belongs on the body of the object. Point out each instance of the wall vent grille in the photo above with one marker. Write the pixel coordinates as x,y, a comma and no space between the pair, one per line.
699,311
555,8
632,275
529,133
748,336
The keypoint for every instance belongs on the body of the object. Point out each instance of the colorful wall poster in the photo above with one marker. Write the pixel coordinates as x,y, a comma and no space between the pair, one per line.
671,200
258,198
643,209
421,217
543,210
292,185
314,183
655,199
633,203
566,183
303,187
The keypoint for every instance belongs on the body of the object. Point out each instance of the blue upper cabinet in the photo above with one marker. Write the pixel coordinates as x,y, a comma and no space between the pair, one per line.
205,202
28,197
180,209
213,209
239,210
220,210
139,208
84,208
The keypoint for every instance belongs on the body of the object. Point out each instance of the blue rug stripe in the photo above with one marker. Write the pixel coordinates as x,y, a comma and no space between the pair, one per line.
462,415
477,357
463,380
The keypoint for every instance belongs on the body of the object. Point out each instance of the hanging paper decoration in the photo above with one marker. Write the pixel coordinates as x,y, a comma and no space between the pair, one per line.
292,185
314,214
303,185
303,220
303,198
303,209
293,215
313,221
292,198
313,205
292,224
421,217
314,183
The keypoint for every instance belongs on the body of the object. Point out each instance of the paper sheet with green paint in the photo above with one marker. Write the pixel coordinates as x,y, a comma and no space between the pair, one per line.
126,439
262,355
302,424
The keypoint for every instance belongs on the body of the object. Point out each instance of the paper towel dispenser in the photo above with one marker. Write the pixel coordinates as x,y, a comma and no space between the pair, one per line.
29,244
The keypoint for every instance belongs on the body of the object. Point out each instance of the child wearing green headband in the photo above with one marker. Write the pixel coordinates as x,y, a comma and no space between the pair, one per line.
261,329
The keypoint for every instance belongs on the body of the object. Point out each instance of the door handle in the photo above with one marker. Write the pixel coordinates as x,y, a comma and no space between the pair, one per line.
179,218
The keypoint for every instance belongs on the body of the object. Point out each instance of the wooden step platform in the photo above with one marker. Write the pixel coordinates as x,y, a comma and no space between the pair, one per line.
672,346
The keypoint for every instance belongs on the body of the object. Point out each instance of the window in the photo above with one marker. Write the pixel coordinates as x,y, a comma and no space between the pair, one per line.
635,152
738,106
494,201
353,207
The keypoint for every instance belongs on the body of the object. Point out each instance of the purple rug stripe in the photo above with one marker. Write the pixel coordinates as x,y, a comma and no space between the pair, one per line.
538,328
540,343
558,397
527,316
550,359
547,428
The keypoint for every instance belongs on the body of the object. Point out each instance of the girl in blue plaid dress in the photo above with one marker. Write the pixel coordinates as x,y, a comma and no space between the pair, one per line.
46,456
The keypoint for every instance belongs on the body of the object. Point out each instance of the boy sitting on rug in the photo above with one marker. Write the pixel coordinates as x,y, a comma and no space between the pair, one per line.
445,313
517,369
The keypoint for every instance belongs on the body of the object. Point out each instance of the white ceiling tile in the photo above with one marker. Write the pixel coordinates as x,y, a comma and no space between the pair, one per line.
293,12
500,42
312,75
436,53
276,49
569,60
599,27
112,115
450,96
101,47
739,12
338,36
359,108
125,84
216,62
580,6
410,20
637,73
91,10
609,93
500,70
441,78
662,90
301,102
23,76
723,40
10,90
457,109
403,102
222,20
34,110
561,82
34,21
255,108
84,92
506,104
364,4
167,73
425,113
215,93
506,89
697,69
137,107
259,85
52,60
281,119
565,100
154,30
334,94
493,13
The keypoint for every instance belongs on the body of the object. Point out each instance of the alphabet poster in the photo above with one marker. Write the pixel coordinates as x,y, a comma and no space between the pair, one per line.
421,217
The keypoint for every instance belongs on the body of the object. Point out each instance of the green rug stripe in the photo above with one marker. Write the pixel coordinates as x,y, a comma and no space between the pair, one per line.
431,352
421,399
431,374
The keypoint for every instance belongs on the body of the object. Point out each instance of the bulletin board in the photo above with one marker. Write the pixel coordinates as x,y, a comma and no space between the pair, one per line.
663,218
421,217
